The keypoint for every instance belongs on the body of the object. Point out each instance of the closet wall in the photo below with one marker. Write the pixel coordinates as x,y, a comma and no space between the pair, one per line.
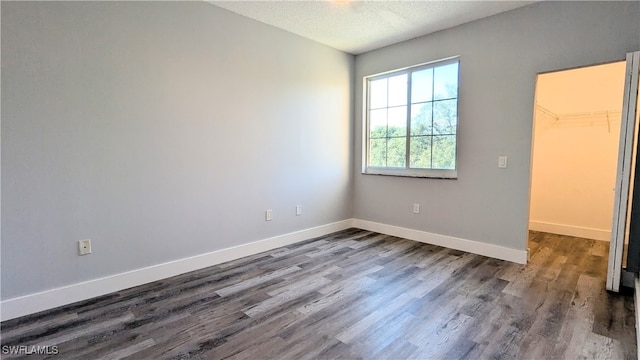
575,150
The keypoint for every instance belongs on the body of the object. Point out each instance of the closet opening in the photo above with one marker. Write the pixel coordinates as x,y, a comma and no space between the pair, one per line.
576,138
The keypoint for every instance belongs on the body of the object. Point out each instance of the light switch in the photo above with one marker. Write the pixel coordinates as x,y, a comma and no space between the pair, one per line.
502,162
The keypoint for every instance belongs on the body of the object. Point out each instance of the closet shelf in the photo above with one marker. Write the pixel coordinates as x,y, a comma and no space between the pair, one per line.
590,118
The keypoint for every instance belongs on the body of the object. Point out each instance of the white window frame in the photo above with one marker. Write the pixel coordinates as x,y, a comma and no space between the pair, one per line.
407,171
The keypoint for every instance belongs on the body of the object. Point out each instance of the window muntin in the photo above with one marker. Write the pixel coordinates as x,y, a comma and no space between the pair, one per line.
411,118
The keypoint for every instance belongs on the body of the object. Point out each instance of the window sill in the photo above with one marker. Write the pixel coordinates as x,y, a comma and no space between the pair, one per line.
426,174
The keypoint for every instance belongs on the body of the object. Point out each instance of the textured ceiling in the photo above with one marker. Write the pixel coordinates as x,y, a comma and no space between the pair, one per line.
360,26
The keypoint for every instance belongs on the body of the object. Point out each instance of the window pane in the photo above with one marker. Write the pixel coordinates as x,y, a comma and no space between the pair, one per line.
421,119
378,123
396,152
378,152
378,94
413,127
420,156
445,82
421,85
445,117
397,121
398,90
444,152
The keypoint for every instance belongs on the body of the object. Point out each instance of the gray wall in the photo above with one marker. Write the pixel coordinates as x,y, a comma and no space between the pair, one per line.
164,130
500,57
161,131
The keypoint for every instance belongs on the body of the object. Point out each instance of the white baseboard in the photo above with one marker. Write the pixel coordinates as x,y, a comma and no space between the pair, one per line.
476,247
571,230
49,299
33,303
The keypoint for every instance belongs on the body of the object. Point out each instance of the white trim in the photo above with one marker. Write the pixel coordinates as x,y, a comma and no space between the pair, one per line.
408,172
571,230
476,247
49,299
623,179
428,64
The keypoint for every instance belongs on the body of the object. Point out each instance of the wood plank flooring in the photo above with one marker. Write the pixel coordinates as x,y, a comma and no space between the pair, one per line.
355,294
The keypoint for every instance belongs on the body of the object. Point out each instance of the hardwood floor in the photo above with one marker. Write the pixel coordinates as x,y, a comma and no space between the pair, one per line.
355,294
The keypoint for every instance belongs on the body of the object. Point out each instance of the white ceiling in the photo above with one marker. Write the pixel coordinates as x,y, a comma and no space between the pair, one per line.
360,26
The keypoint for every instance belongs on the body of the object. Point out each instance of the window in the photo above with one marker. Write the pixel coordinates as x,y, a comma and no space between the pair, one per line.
411,121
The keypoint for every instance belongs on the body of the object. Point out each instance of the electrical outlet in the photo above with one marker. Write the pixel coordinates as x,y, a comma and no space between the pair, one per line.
268,215
84,247
298,210
416,208
502,162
